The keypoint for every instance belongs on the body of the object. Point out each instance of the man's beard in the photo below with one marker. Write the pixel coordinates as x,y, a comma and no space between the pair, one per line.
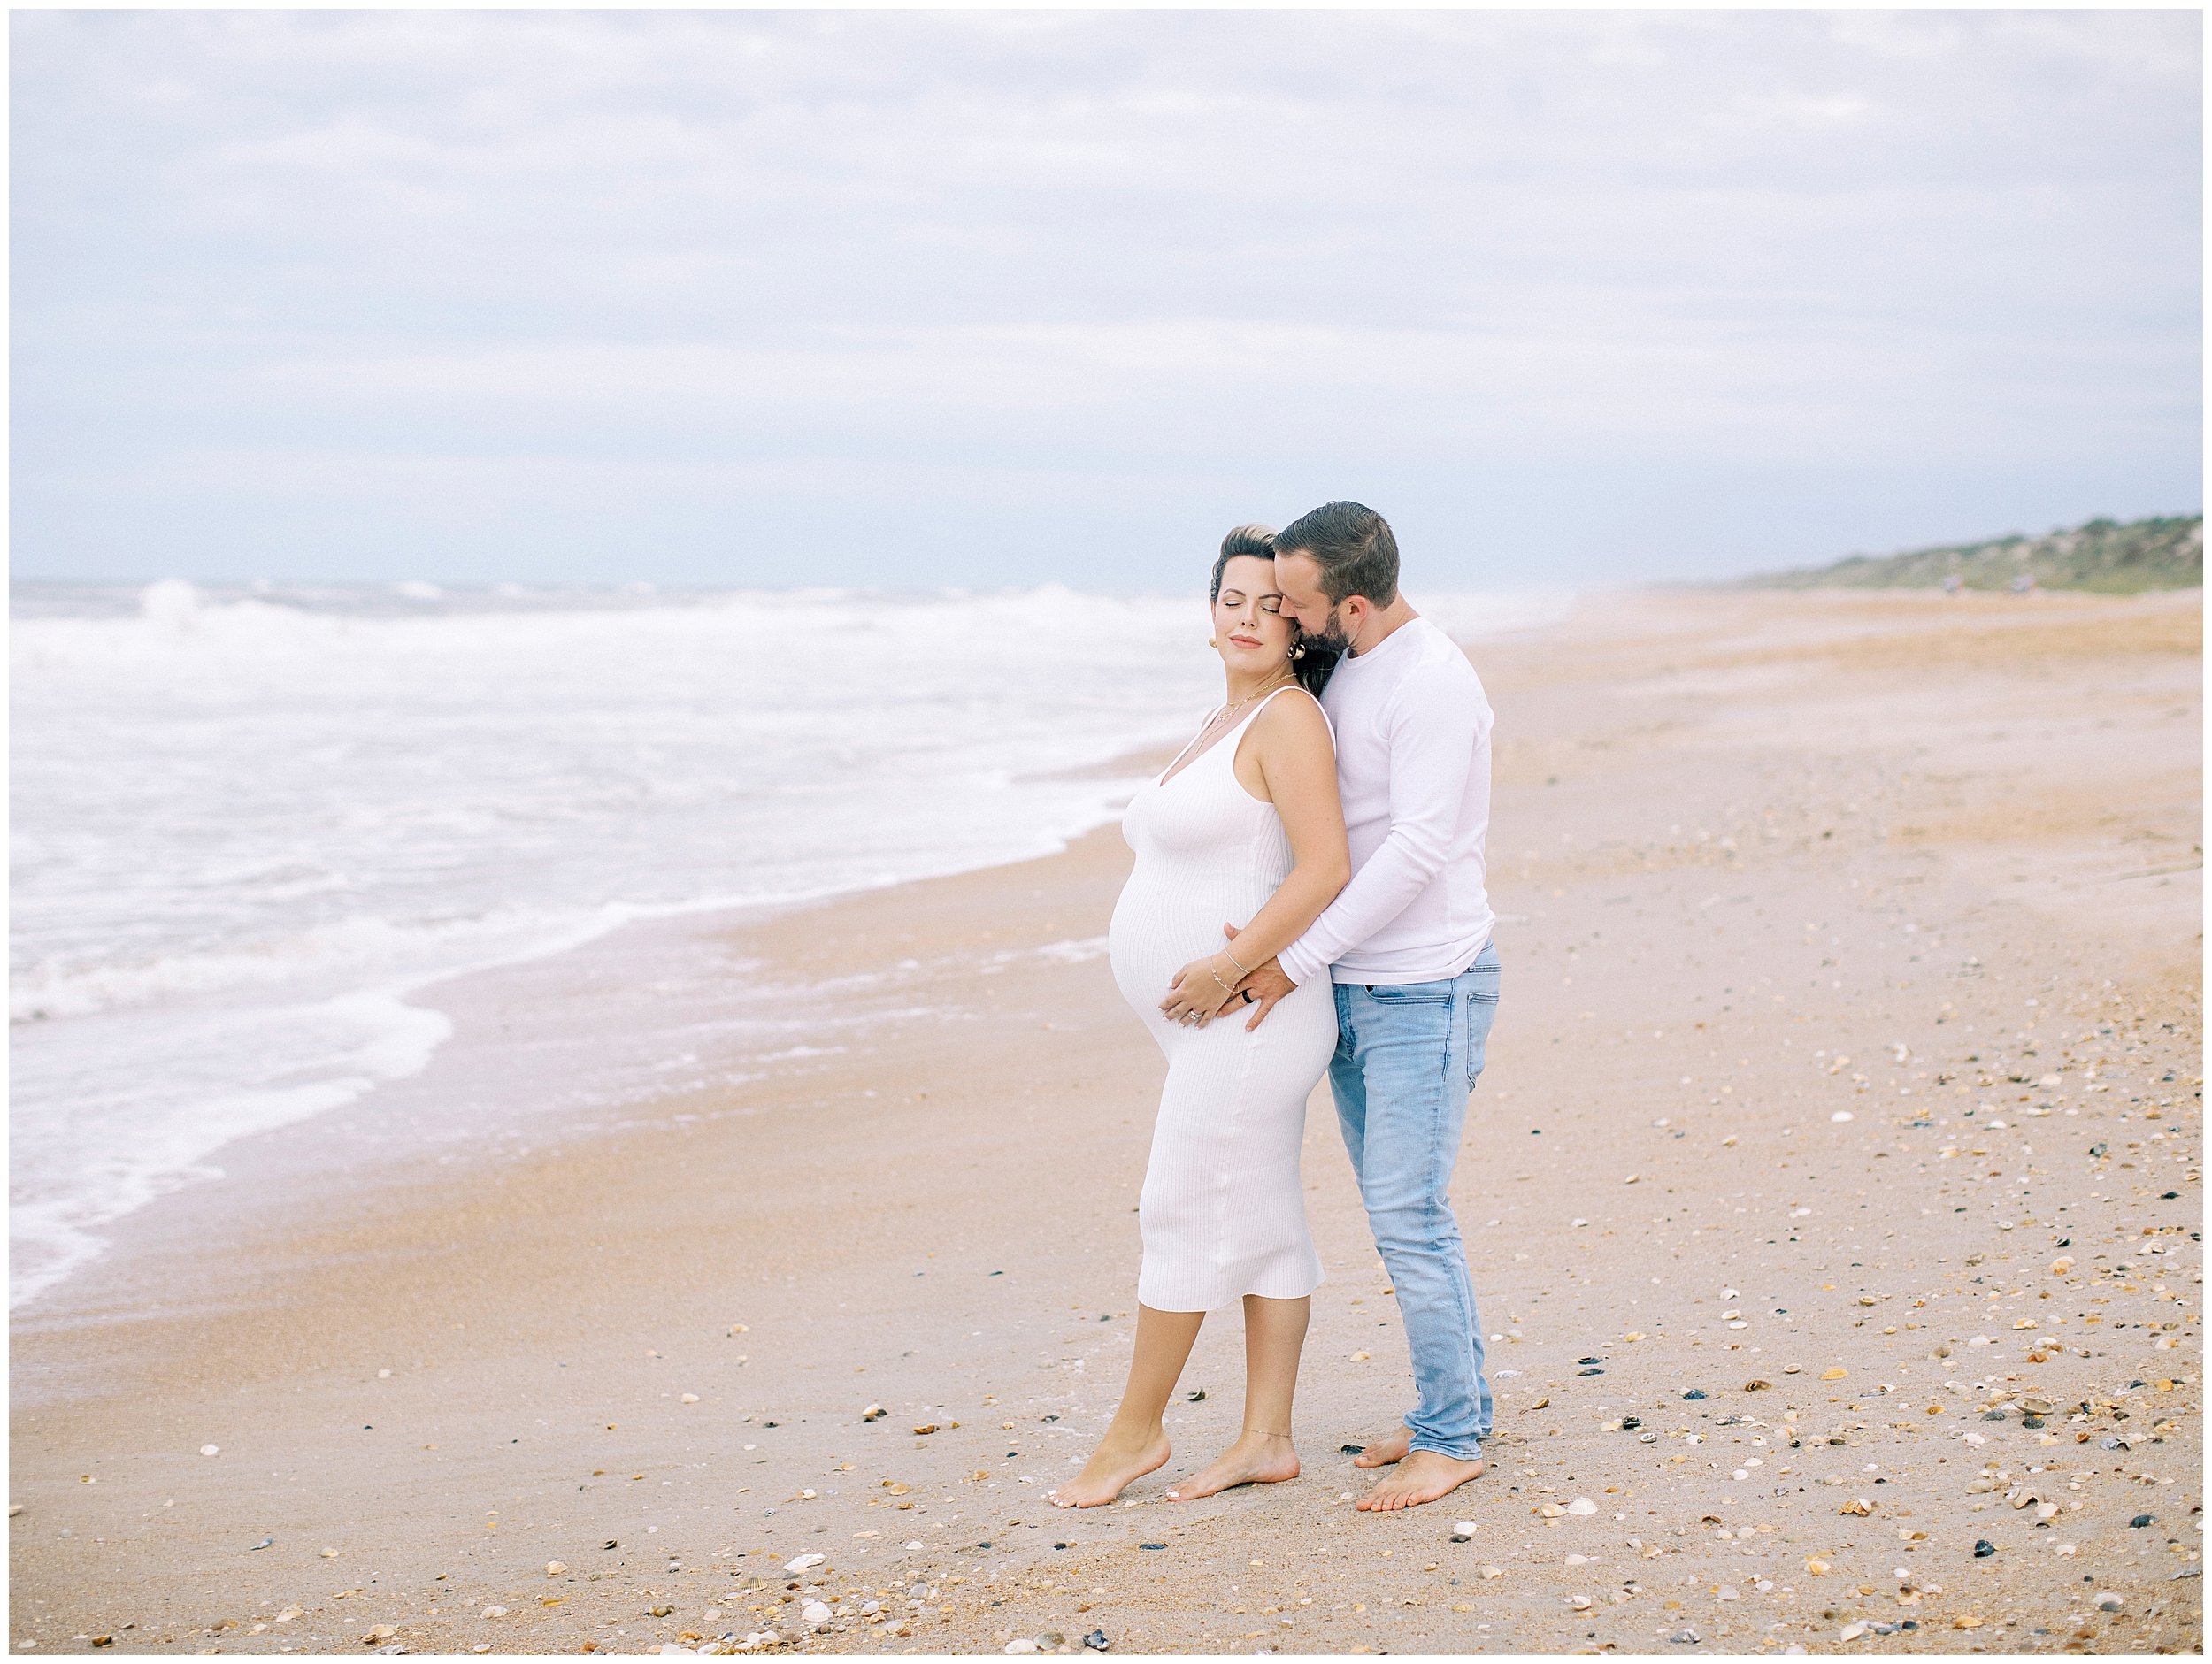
1331,637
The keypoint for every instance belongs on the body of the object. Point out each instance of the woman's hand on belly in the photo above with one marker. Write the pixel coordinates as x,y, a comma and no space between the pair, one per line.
1200,990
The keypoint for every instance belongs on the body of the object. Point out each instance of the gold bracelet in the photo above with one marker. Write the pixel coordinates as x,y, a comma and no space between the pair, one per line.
1216,975
1233,960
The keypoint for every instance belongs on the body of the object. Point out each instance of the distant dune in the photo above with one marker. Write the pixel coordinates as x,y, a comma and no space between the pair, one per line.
2113,558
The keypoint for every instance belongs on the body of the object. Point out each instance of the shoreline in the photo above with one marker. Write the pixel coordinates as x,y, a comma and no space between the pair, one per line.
418,1011
923,1202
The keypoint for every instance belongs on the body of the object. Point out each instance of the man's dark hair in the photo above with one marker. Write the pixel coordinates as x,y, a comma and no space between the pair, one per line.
1353,547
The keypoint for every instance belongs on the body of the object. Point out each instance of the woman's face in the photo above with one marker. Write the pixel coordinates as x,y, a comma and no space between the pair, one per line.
1250,632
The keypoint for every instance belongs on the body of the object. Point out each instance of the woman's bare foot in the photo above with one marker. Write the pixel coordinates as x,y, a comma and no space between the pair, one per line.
1113,1465
1255,1459
1384,1451
1423,1476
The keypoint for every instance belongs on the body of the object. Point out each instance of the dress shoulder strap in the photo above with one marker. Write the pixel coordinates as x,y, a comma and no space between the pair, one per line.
1187,744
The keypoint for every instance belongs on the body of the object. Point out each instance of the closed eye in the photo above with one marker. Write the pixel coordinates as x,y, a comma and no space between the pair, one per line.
1234,598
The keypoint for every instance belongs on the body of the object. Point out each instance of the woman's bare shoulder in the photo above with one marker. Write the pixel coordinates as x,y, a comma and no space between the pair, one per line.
1294,717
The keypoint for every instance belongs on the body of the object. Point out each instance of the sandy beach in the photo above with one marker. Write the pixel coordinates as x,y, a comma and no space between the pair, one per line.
1832,1196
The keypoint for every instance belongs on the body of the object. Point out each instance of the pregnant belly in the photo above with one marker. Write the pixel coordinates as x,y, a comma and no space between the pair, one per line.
1157,928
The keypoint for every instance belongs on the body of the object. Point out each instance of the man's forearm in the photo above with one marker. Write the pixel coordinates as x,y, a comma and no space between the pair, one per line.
1378,892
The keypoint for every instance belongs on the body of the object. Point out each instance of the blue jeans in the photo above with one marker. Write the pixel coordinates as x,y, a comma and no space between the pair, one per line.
1407,1056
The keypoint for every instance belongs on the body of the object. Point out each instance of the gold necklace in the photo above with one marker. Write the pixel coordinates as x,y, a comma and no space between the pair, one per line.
1229,712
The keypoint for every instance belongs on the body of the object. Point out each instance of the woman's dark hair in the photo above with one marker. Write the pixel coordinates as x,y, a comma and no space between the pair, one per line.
1312,659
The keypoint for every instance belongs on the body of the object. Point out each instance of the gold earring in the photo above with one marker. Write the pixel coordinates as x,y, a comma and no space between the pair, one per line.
1211,642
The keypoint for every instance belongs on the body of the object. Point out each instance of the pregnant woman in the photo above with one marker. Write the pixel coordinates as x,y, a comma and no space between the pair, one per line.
1244,829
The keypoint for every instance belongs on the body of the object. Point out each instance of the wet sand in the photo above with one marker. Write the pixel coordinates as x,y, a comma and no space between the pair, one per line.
1847,1073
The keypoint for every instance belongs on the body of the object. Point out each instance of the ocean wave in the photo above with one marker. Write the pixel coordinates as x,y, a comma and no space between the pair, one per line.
253,823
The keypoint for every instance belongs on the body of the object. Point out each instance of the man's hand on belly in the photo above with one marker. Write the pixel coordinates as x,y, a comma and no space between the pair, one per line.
1266,985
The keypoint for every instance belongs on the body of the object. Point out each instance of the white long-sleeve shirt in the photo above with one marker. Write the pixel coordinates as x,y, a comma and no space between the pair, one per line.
1413,767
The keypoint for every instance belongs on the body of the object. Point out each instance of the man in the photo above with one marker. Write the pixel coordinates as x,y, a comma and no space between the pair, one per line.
1407,944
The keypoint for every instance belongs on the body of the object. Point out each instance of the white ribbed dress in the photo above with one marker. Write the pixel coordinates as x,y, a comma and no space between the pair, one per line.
1223,1212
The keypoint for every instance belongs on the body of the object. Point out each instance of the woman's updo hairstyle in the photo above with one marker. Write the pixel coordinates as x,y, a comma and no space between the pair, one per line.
1243,540
1311,660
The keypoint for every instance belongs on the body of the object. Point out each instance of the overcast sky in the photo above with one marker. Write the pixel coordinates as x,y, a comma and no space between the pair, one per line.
989,298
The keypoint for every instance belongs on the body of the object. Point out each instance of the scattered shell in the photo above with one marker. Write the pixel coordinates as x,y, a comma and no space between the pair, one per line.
554,1567
802,1562
380,1632
1816,1567
2107,1601
1582,1504
1836,1373
494,1612
1580,1603
689,1398
1096,1641
927,1427
815,1611
1841,1114
1464,1532
1857,1504
1361,1357
1493,1571
873,1413
210,1450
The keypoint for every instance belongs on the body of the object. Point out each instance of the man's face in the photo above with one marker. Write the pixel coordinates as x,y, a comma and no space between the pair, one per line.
1299,577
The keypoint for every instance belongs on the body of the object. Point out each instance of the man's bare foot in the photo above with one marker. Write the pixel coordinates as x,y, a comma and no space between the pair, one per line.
1112,1466
1421,1476
1255,1459
1384,1451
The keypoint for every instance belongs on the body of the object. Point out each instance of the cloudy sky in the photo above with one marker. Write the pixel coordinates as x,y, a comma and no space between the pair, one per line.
912,297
